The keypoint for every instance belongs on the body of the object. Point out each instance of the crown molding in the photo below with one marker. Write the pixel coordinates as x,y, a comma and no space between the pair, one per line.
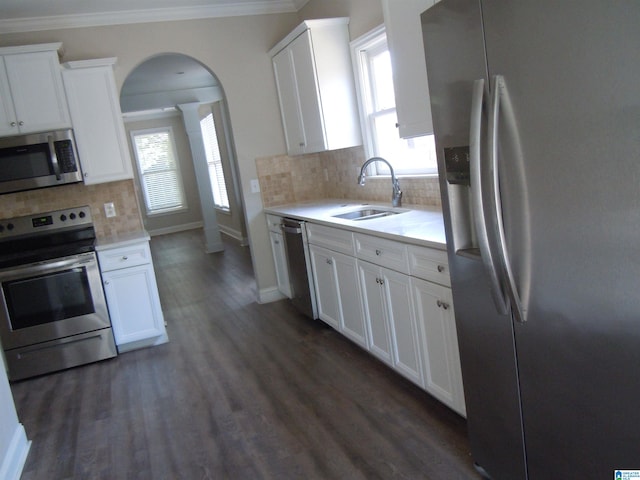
57,22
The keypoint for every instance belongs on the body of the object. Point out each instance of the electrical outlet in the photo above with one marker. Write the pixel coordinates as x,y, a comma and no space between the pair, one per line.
109,209
255,186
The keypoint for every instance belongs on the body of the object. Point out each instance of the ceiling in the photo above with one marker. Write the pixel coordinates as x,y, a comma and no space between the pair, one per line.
34,15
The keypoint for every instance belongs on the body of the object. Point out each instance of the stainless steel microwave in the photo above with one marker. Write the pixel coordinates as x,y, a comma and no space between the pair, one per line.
38,160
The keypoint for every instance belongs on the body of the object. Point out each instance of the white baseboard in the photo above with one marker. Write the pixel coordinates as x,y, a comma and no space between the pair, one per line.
13,461
175,228
268,295
233,233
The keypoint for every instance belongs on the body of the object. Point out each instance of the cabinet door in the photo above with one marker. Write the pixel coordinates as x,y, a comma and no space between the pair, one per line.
97,119
348,287
326,285
280,260
8,121
134,306
406,353
36,88
404,35
304,69
375,311
289,102
437,329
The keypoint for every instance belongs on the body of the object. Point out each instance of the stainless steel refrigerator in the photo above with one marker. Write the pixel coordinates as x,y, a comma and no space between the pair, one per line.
536,112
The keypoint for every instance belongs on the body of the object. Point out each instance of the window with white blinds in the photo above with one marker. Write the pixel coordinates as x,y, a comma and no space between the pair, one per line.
159,173
214,160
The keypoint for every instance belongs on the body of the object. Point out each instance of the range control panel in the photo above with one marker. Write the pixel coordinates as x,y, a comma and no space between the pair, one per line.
49,221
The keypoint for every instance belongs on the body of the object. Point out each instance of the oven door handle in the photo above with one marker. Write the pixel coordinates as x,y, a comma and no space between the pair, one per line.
50,266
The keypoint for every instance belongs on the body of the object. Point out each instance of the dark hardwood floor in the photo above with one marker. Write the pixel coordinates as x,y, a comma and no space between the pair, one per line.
241,391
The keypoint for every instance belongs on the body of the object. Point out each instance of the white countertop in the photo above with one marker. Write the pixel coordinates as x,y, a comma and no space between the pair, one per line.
121,240
416,225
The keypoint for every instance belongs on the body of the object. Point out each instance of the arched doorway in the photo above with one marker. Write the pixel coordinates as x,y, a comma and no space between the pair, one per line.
165,98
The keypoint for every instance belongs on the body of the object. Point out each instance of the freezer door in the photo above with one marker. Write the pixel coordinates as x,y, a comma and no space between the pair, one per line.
570,195
453,41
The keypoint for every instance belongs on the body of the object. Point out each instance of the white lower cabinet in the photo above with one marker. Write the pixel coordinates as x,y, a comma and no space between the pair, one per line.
390,319
335,277
131,292
438,337
394,300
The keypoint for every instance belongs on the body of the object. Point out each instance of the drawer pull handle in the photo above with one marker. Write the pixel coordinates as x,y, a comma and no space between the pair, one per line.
378,252
440,268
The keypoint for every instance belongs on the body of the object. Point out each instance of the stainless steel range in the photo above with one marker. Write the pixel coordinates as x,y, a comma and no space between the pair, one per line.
53,313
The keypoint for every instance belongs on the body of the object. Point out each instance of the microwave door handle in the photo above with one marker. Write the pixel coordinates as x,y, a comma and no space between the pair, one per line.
54,158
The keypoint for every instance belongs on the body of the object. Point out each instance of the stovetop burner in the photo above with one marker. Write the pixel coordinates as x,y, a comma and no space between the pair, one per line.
45,236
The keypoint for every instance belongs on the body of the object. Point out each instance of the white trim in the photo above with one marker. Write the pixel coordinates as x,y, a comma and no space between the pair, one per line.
16,455
230,9
156,113
235,234
357,46
268,295
175,228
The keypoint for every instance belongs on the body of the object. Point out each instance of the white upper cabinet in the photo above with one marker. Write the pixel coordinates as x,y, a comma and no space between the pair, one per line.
97,120
32,98
312,68
404,37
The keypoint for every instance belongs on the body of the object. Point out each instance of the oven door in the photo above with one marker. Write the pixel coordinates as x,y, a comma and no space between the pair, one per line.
51,300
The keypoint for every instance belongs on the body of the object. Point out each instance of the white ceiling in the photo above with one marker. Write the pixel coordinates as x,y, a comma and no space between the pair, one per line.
34,15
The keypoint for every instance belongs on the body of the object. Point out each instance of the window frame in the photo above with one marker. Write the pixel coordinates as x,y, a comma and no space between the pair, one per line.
218,181
372,42
141,175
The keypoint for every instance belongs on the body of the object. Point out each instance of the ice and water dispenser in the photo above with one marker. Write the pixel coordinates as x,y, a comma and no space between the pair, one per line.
458,178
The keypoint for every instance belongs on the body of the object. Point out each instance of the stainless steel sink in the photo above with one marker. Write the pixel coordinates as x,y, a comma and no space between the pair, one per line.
365,214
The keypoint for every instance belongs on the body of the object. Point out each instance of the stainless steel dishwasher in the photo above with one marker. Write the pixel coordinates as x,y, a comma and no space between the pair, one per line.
297,249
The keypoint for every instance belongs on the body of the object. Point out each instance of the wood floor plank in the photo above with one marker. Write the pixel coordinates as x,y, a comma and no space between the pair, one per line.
241,391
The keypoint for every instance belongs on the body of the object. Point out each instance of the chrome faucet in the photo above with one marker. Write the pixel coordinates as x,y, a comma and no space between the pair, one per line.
396,196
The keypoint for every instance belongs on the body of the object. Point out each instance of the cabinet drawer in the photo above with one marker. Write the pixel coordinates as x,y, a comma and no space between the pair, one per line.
429,264
380,251
273,223
123,257
334,239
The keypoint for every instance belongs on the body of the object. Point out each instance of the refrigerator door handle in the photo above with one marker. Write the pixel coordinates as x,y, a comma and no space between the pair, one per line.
476,170
497,91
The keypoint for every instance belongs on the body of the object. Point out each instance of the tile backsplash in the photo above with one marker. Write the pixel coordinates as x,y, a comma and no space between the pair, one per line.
334,174
121,193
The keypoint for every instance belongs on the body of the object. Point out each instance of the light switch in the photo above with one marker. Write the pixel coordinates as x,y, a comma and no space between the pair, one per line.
255,186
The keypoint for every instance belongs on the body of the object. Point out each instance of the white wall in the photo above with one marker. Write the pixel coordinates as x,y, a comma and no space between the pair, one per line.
13,440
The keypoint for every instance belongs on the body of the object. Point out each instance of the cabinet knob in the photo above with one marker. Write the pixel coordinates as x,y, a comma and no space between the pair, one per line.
378,252
440,268
329,262
124,257
301,144
277,242
106,282
442,304
21,123
13,124
86,174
